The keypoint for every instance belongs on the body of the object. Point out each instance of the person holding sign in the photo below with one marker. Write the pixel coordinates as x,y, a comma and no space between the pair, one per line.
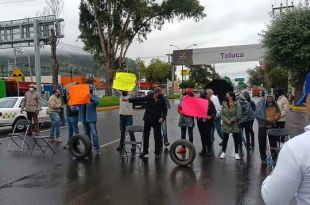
88,115
231,114
155,114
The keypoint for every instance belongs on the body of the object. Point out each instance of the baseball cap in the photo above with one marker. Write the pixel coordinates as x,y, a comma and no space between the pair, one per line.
306,90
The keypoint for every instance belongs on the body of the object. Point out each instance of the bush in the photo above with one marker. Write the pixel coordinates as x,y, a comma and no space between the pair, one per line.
109,101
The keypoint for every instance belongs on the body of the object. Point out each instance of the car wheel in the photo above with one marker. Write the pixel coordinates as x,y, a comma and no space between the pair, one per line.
80,146
19,128
185,158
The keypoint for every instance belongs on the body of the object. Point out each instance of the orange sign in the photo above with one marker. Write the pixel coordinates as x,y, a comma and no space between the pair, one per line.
79,94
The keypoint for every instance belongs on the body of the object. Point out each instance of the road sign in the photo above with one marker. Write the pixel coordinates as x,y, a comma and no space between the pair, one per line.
17,75
239,79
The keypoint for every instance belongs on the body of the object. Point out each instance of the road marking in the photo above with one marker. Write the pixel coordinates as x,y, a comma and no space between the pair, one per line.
109,143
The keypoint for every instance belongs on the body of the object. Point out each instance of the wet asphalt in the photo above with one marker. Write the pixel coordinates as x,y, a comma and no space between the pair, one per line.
113,180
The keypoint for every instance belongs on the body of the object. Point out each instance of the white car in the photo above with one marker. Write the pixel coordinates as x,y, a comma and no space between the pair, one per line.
10,112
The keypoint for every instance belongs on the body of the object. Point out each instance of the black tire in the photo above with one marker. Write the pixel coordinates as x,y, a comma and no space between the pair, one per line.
19,128
74,149
174,156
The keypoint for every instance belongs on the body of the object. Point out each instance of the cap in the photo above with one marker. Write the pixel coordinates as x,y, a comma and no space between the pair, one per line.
189,91
306,90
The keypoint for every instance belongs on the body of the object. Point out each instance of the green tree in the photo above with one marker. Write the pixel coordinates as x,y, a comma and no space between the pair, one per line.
201,75
257,76
278,78
187,84
287,44
157,71
108,27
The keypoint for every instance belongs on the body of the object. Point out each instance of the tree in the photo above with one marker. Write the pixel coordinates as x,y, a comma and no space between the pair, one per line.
157,71
257,76
201,75
187,84
108,27
55,8
278,78
287,44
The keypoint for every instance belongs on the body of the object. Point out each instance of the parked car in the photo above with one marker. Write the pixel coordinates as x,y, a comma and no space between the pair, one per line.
10,108
141,93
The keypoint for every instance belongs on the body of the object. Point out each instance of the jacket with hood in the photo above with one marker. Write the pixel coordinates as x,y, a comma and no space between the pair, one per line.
248,98
233,116
260,113
247,111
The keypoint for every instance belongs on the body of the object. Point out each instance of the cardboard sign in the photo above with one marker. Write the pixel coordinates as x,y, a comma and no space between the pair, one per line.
195,107
79,94
124,81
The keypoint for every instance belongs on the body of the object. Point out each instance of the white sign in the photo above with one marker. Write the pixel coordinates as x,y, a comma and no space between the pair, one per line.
230,54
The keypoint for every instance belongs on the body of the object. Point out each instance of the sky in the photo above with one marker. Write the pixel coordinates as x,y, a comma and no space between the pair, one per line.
228,22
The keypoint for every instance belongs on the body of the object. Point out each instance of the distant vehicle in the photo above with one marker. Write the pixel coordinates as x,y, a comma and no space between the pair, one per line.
141,93
10,112
256,92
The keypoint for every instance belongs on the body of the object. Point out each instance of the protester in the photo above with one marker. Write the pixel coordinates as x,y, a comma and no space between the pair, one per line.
164,127
31,103
88,115
187,123
217,118
155,114
290,177
126,119
231,114
247,117
267,114
205,126
54,109
72,113
284,106
253,106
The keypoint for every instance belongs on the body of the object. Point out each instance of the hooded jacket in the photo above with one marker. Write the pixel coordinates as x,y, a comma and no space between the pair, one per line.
260,113
248,98
247,111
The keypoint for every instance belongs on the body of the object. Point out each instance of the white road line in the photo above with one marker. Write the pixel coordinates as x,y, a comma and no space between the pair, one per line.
109,143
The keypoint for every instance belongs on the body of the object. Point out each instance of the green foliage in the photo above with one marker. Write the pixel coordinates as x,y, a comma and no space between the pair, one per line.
158,71
174,97
109,101
187,84
201,75
278,78
256,76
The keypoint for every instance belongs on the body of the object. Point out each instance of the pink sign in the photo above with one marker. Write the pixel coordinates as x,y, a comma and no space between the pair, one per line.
195,107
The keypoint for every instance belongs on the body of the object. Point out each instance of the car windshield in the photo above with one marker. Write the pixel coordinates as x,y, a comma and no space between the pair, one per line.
7,102
141,93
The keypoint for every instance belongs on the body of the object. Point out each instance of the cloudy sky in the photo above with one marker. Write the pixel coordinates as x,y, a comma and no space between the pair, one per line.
228,22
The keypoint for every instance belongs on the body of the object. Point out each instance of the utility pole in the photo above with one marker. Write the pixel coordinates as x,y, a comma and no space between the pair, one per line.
287,7
30,69
170,61
37,55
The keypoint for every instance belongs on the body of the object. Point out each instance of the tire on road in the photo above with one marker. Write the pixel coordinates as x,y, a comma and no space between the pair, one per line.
74,144
190,148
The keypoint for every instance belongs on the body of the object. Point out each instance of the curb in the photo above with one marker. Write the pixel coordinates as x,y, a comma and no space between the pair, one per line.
298,108
107,108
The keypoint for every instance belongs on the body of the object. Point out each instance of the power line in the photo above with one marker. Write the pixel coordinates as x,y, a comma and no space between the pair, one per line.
16,2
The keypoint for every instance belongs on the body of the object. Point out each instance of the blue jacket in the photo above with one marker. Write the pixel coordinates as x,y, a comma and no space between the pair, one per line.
90,113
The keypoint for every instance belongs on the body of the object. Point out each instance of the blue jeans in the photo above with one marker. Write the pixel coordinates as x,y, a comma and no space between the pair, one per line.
164,131
218,127
125,121
73,125
90,129
55,118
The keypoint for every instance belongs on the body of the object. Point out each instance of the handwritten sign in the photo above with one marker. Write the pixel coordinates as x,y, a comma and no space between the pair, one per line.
124,81
79,94
195,107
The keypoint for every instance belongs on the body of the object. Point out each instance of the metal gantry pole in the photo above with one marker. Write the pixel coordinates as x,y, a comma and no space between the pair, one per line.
37,55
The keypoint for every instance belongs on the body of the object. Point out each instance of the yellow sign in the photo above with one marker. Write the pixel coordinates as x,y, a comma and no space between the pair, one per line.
185,72
17,75
124,81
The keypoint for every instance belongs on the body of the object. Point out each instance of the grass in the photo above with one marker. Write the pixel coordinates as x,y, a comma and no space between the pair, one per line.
109,101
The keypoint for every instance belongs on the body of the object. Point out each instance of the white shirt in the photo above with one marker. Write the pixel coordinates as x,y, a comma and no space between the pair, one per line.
125,108
217,105
292,173
284,106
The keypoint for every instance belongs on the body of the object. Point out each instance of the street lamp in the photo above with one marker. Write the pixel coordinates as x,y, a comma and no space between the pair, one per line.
195,44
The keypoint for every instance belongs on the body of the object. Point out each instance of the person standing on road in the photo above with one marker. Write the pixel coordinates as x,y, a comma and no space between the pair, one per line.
217,119
54,109
267,114
187,123
164,127
126,119
88,116
291,176
205,126
31,103
284,106
253,106
231,114
155,114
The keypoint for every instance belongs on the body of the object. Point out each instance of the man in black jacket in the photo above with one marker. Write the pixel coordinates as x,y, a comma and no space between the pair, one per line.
155,114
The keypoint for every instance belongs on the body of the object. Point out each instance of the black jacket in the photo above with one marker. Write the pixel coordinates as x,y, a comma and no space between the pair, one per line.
154,109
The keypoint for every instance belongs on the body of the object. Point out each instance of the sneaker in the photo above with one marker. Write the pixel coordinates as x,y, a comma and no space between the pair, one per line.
182,150
143,154
221,144
98,152
119,148
237,157
66,146
222,155
58,139
203,153
167,144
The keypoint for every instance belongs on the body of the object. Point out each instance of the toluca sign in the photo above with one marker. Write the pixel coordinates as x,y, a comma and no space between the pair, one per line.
232,55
